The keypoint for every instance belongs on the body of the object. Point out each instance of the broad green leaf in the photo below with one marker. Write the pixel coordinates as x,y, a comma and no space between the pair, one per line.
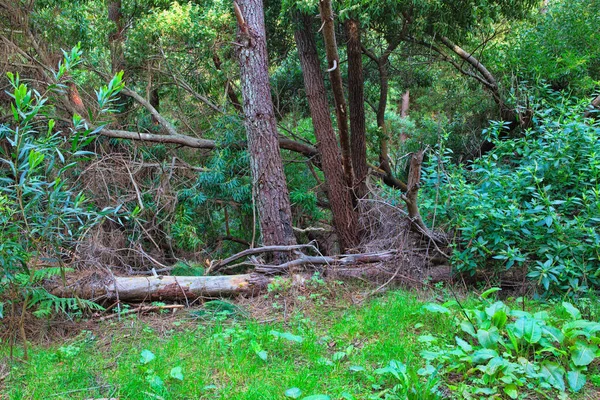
499,319
467,327
436,308
511,391
482,355
554,334
146,356
576,380
263,355
426,339
553,374
528,329
488,292
293,393
572,310
356,368
176,373
467,348
488,339
317,397
582,353
288,336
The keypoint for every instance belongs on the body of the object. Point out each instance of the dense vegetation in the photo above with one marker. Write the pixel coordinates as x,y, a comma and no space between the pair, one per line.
393,138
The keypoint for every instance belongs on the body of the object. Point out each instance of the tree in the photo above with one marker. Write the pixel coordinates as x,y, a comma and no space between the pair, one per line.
344,216
335,76
269,183
356,100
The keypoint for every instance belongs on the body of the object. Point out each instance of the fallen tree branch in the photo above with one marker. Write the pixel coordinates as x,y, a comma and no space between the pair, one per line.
248,252
142,309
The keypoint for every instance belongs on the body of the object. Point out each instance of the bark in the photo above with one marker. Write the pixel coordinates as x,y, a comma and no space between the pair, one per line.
157,288
335,76
269,183
404,113
384,162
198,143
356,101
345,218
115,38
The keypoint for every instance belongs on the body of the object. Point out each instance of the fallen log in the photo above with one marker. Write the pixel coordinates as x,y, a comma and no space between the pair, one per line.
157,288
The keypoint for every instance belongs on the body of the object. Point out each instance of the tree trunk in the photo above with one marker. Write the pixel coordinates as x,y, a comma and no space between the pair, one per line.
335,76
268,181
133,289
384,162
115,38
356,101
345,218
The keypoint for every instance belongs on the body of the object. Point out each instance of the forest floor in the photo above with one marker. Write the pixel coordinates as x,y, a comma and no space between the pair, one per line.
305,344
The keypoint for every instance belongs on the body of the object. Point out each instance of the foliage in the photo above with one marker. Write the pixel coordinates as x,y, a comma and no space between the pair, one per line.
42,213
533,201
560,46
511,351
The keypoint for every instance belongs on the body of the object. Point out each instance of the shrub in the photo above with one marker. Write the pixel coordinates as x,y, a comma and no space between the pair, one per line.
532,201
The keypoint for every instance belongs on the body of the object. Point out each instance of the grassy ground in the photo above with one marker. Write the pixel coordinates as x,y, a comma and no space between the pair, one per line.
319,350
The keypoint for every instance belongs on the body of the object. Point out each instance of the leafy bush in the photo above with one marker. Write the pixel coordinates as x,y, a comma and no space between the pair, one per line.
532,201
41,211
513,351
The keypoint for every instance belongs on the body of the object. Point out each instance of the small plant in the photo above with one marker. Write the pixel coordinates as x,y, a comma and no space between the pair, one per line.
509,351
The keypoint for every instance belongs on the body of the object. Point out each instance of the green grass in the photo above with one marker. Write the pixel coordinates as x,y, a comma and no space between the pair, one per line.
218,360
219,357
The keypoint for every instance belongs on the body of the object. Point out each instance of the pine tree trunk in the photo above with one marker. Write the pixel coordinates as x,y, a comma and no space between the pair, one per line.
335,76
356,101
268,178
345,217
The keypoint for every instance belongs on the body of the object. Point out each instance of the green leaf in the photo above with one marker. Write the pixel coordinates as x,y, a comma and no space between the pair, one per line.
582,353
553,374
176,373
262,355
528,329
287,336
317,397
146,357
511,391
482,355
466,347
572,310
467,327
356,368
436,308
488,338
576,380
488,292
293,393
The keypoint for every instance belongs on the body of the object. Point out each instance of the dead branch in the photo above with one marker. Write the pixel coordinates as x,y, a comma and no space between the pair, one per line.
143,309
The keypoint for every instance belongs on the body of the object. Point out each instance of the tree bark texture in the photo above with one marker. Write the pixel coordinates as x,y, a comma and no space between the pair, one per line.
356,101
134,289
335,76
345,218
115,38
269,183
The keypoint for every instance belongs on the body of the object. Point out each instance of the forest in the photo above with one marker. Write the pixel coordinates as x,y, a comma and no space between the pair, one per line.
315,199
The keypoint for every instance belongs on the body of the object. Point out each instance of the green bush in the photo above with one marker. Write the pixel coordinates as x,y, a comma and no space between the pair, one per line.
41,211
532,201
512,351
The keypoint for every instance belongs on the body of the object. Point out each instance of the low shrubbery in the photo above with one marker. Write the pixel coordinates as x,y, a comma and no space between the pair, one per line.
511,351
533,201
